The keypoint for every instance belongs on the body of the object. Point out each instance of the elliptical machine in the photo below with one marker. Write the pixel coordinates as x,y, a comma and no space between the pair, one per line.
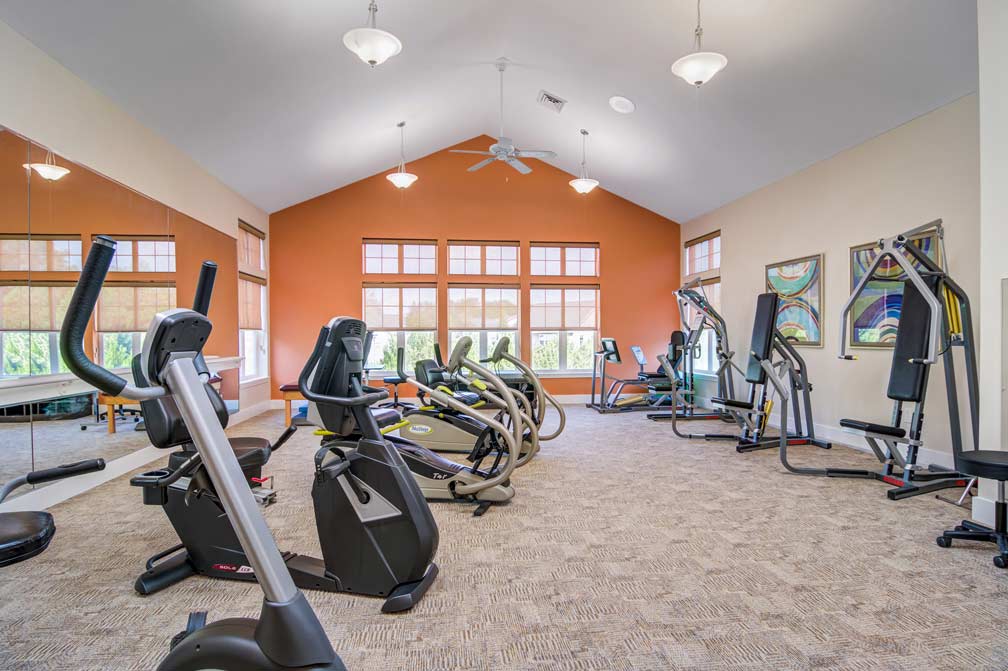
392,559
288,634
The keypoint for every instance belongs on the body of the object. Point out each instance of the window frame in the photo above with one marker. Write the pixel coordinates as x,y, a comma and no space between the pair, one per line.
401,330
49,239
400,257
481,345
707,347
563,330
264,363
564,247
688,269
250,230
483,260
99,334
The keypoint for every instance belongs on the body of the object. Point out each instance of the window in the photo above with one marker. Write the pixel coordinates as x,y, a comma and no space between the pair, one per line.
40,253
252,342
702,254
124,313
575,260
419,259
390,257
482,258
251,247
564,327
144,255
485,314
30,319
705,360
545,260
400,316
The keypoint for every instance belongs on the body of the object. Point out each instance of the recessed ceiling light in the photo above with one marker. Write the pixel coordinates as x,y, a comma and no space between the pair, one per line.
622,105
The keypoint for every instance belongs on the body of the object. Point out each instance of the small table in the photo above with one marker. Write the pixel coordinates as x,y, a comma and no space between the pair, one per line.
290,392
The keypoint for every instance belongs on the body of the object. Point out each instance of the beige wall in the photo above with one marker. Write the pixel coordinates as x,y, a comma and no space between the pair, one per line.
993,44
923,170
44,101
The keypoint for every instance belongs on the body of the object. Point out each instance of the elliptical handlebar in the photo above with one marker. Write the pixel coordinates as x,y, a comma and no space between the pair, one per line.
78,314
204,287
369,398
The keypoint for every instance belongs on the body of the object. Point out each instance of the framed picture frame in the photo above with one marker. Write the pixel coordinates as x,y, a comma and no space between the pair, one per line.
799,283
875,314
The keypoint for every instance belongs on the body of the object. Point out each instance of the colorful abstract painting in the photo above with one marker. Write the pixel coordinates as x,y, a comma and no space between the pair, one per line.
799,284
875,314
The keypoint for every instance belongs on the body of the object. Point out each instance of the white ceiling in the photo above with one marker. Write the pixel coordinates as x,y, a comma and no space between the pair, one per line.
263,94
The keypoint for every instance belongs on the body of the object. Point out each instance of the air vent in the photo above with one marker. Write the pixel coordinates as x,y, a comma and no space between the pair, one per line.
550,101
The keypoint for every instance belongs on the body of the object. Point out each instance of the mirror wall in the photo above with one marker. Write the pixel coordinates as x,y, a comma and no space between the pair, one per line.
50,210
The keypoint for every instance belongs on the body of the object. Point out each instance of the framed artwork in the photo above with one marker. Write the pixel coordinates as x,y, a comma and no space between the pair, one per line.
875,314
799,284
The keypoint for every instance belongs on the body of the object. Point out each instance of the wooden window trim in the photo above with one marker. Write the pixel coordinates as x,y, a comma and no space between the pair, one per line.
702,238
250,229
252,278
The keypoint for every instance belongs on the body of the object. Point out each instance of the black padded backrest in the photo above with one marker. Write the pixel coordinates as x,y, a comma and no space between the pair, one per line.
338,371
764,325
907,381
162,419
428,373
675,347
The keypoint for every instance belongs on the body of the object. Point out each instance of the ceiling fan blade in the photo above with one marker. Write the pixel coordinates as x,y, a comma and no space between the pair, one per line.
535,153
482,164
519,166
470,151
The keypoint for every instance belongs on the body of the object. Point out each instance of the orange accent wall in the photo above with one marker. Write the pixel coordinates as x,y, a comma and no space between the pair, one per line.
315,250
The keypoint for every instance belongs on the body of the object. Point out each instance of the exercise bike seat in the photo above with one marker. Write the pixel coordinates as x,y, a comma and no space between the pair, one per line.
884,429
24,535
250,450
385,416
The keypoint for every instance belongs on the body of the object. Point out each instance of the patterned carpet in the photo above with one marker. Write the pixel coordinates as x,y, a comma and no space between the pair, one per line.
625,548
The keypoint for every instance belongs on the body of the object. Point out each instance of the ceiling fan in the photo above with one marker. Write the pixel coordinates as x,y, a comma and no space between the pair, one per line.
504,149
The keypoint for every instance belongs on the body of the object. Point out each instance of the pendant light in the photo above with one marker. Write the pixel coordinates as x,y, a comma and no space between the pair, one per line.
48,170
700,66
373,46
583,184
400,177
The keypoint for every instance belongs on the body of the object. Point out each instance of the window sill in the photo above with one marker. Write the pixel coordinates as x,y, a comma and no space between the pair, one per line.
254,381
564,373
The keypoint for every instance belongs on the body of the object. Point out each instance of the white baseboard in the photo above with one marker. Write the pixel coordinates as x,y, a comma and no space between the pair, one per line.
248,413
572,399
57,492
983,510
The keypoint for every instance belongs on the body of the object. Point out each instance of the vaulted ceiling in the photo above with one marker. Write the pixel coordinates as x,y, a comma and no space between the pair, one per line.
264,95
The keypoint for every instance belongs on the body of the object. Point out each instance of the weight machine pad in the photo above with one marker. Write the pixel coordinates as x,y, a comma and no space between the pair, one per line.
884,429
731,403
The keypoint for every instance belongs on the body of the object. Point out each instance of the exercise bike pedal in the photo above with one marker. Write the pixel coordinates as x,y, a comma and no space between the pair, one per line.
197,620
264,496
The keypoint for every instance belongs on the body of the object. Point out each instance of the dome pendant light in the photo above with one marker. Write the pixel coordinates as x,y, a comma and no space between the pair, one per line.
700,66
48,170
584,184
373,46
400,177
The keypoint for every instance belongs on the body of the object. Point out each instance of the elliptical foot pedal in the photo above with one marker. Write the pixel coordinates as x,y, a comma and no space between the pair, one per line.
482,508
196,622
407,595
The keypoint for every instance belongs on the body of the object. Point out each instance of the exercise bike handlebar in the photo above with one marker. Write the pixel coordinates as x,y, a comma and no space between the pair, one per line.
78,314
368,398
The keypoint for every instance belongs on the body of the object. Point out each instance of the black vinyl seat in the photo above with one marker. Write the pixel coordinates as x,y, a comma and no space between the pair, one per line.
385,416
732,403
870,427
991,464
24,535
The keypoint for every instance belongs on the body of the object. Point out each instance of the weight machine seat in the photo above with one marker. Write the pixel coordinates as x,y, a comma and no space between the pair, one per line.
24,535
884,429
385,416
991,464
732,403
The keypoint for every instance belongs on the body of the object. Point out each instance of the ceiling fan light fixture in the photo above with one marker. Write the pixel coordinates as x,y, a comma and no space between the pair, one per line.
48,169
371,44
400,177
699,67
584,184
